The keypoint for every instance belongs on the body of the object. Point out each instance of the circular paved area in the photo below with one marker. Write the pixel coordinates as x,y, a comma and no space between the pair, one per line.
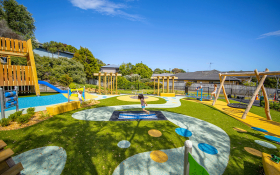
132,99
253,151
159,156
154,133
124,144
265,144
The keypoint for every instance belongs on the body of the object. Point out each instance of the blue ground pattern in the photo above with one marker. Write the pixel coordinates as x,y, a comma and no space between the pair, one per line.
27,102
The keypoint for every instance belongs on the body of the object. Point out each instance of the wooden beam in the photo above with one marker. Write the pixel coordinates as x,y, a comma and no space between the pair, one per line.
154,86
2,144
238,74
158,87
270,73
218,93
14,170
254,95
163,78
167,84
163,85
266,108
103,74
224,91
117,83
6,154
104,81
111,84
173,84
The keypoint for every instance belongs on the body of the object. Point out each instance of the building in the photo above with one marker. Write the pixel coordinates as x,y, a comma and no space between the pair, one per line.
43,52
206,77
110,68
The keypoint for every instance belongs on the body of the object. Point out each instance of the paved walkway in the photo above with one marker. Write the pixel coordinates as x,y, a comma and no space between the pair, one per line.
203,132
251,120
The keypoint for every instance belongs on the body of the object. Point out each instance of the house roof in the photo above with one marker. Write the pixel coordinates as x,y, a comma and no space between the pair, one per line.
111,66
164,74
203,75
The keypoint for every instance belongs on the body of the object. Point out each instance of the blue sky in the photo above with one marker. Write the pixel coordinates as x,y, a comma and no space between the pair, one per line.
187,34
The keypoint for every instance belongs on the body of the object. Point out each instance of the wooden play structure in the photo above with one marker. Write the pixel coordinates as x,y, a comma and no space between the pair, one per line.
7,165
106,83
167,94
261,76
15,75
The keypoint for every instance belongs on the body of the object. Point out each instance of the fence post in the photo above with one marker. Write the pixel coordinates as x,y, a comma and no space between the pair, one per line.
188,149
68,94
2,104
16,88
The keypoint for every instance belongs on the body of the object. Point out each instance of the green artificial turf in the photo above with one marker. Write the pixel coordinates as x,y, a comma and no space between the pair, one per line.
92,146
34,95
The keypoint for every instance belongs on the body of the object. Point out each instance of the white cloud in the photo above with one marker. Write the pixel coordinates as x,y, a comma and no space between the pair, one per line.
276,33
106,7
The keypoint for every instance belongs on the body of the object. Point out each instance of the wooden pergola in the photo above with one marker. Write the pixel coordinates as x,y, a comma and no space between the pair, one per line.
106,81
261,76
164,78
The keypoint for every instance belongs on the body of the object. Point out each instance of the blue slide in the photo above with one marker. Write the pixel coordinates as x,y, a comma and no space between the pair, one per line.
52,86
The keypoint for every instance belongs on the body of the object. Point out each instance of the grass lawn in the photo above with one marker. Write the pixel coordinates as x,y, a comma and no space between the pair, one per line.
34,95
92,146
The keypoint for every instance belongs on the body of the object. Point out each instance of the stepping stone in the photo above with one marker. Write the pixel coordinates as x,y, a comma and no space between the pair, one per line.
183,132
154,133
239,129
159,156
253,151
124,144
276,139
207,148
265,144
259,129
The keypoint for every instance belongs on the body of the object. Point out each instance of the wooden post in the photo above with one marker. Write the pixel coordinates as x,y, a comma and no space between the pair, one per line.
167,84
116,83
99,83
218,93
266,108
154,86
108,85
163,84
111,84
158,86
105,81
224,90
254,95
173,85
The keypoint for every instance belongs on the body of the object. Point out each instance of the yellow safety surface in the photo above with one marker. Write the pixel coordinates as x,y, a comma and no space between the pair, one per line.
159,156
154,133
128,98
270,167
63,107
251,120
167,94
74,97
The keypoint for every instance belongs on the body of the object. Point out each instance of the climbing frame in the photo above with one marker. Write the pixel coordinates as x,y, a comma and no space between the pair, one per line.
106,81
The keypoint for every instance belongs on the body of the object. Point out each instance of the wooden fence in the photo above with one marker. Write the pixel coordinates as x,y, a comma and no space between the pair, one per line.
12,47
12,75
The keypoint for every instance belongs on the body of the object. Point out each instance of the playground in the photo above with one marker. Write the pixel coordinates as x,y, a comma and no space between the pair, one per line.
116,137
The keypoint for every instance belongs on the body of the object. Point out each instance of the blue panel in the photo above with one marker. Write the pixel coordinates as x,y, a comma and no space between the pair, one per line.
259,129
10,94
207,148
183,132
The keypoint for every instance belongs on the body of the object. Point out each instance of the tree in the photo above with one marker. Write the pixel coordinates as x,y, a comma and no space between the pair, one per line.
166,71
84,56
158,71
143,70
6,32
176,70
47,46
71,49
126,69
59,46
183,71
19,19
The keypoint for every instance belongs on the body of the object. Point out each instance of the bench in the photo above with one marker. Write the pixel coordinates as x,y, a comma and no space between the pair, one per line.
64,107
7,165
270,167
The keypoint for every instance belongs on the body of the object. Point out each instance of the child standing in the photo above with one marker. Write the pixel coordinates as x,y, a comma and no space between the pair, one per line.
214,92
80,96
141,98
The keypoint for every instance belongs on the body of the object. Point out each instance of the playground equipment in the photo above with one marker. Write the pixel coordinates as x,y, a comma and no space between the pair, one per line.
15,75
260,86
52,86
70,93
8,99
105,83
163,78
7,164
205,96
190,165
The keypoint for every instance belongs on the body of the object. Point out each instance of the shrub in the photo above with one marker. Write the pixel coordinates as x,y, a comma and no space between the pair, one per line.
52,80
31,111
24,118
66,80
13,117
72,86
44,115
151,85
4,122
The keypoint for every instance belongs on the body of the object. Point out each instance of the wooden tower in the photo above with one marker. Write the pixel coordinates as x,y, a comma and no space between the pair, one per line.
15,75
